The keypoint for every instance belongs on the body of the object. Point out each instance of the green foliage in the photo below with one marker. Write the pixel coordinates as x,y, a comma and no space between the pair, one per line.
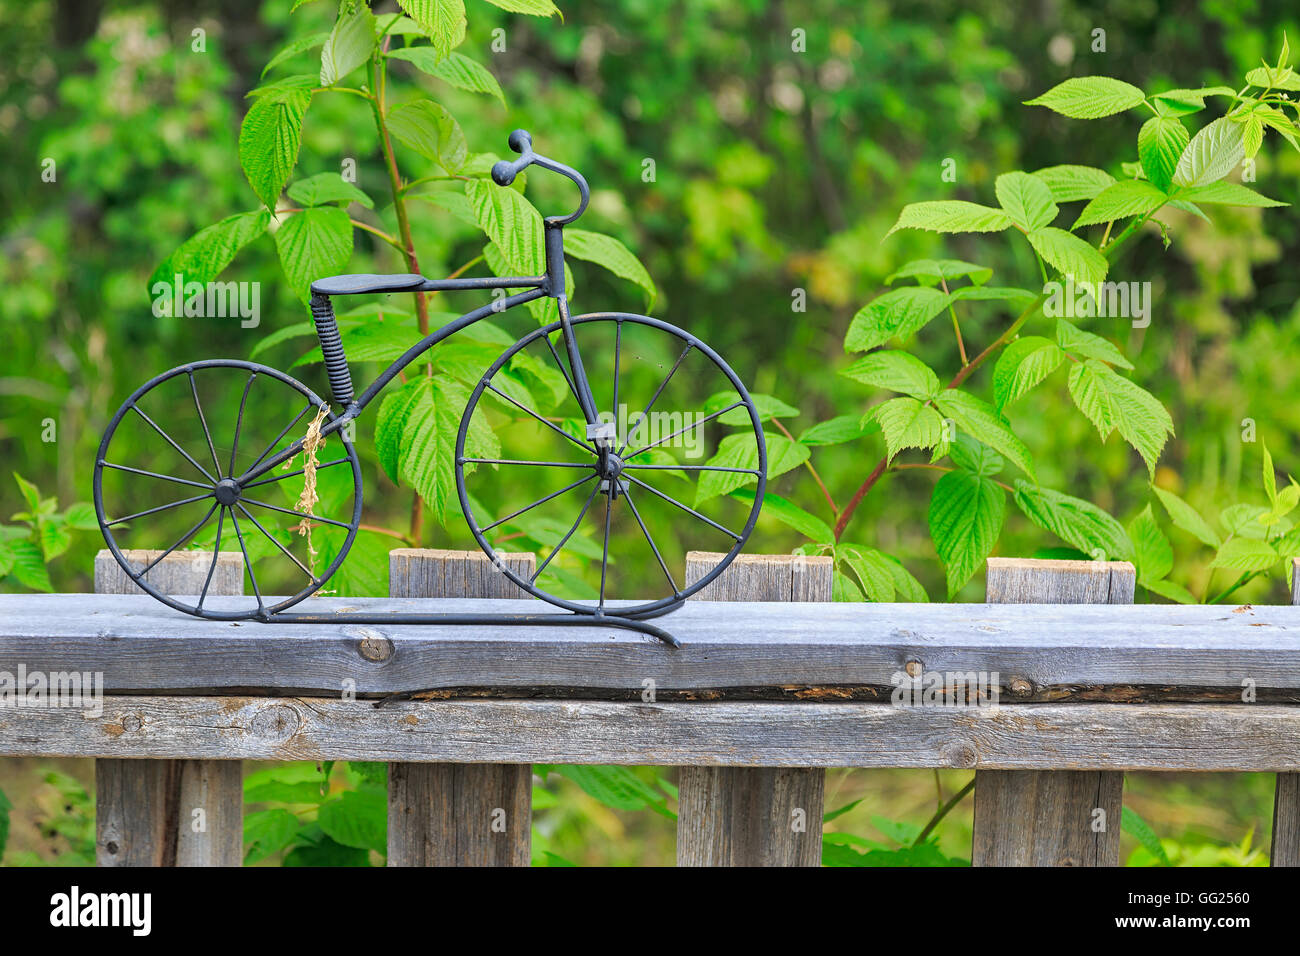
43,533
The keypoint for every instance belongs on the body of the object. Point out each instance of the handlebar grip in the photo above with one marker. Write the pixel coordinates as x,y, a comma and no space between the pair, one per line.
504,172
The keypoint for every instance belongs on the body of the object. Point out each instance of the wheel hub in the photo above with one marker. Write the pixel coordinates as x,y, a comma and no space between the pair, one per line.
610,466
227,491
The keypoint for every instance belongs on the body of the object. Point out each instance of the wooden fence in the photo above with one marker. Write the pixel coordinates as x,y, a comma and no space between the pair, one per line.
762,697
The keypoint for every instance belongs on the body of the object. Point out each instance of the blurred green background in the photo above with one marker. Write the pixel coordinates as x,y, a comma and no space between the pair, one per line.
775,171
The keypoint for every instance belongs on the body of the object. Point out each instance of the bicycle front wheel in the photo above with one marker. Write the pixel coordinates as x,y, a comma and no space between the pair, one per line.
676,464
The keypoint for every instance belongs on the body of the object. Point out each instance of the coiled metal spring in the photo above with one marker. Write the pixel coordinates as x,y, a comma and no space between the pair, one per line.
331,346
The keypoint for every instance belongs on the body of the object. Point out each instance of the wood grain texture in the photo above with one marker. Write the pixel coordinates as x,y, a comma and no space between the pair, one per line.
453,814
1285,849
170,812
1051,818
1195,737
141,645
754,816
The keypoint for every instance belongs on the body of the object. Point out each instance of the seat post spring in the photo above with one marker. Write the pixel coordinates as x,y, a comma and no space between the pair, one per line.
331,346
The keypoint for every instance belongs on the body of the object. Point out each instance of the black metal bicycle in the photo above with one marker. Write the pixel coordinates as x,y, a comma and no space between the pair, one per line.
586,434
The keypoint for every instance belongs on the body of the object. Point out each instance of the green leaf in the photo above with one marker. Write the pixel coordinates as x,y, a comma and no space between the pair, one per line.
357,818
906,423
734,451
1078,342
618,788
1186,517
314,244
1070,183
946,270
1089,97
391,426
836,431
1184,101
443,21
1267,77
899,312
831,815
1022,365
843,589
1026,199
455,69
349,44
205,255
269,138
1074,521
1211,154
1142,832
1161,142
1245,554
534,8
327,188
394,24
1019,298
1168,589
28,566
872,569
1269,476
767,406
1228,194
512,224
6,806
896,371
982,421
608,252
1113,402
974,456
82,516
788,513
1131,197
431,131
267,832
429,443
1069,254
950,215
301,45
1152,552
967,511
55,538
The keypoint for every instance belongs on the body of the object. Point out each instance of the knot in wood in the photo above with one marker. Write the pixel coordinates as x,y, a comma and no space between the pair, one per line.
1021,687
914,668
131,722
277,722
961,754
373,646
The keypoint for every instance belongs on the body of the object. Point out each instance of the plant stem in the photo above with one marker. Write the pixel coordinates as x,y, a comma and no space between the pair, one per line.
813,471
943,811
1246,578
956,327
391,240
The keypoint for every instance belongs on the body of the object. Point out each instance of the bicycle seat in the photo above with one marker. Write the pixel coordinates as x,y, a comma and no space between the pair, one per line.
367,282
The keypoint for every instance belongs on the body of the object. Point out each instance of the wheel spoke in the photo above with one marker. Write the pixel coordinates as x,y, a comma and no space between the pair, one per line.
216,553
275,541
604,556
655,397
174,504
519,461
738,471
152,474
539,501
551,425
248,561
294,474
298,514
618,346
563,370
651,541
686,508
681,431
184,538
194,390
184,454
239,423
569,534
269,448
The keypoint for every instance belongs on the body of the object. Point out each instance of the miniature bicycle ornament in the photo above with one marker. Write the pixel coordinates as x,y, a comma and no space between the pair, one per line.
615,442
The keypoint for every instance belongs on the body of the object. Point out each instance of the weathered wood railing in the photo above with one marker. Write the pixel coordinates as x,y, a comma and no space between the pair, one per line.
762,697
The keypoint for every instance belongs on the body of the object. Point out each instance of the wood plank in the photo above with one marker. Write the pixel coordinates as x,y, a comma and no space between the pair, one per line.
140,645
452,814
1051,818
754,816
1285,850
1201,737
170,812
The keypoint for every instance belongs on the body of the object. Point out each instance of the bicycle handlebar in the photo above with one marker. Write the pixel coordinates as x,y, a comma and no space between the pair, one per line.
504,172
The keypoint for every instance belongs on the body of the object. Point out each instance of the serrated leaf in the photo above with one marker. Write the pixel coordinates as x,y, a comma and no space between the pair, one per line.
1132,197
269,139
205,255
967,511
899,312
608,252
1022,365
897,371
431,131
512,224
1114,403
983,422
301,45
1080,343
1089,97
1269,476
314,244
1026,199
1212,153
1070,183
767,406
835,431
871,569
1277,78
906,423
391,425
1245,554
950,215
1186,517
1228,194
974,456
82,516
937,270
1073,520
1069,254
348,45
790,514
1019,298
443,21
327,188
533,8
1161,142
616,787
1152,552
267,832
27,565
1244,520
455,69
428,443
356,818
734,451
